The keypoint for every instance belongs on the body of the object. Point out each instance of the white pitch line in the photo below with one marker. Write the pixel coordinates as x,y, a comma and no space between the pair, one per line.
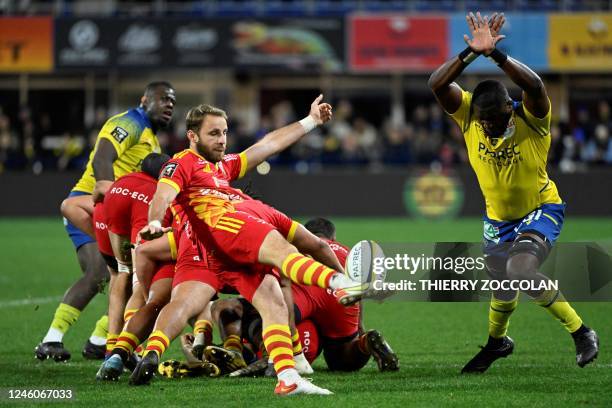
29,301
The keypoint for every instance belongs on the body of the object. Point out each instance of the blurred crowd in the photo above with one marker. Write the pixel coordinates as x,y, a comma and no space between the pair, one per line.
423,135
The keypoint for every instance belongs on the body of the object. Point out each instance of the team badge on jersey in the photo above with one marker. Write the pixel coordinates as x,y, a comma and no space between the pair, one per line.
119,134
169,170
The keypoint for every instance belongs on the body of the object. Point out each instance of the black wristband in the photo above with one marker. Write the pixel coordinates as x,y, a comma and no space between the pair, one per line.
468,55
498,57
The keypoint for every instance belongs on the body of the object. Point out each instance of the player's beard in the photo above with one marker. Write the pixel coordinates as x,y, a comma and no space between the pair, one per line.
210,155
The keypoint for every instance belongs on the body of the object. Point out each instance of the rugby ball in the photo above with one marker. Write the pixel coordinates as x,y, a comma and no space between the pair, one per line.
365,262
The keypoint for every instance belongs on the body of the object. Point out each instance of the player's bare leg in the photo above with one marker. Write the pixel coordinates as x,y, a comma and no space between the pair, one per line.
147,255
268,300
79,211
188,300
137,327
227,313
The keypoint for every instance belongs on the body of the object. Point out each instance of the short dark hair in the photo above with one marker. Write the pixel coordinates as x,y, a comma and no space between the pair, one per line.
153,163
490,96
321,227
152,86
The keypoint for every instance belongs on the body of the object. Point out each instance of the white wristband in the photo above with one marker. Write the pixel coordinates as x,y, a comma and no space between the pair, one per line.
155,224
308,123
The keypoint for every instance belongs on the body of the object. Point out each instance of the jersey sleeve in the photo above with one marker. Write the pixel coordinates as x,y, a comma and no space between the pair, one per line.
122,131
176,173
462,115
541,125
235,165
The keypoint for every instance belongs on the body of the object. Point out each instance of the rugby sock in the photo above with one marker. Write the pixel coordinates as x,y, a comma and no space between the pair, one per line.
127,315
126,343
307,271
158,343
297,344
554,301
499,316
203,332
277,339
111,340
232,342
98,336
65,316
139,350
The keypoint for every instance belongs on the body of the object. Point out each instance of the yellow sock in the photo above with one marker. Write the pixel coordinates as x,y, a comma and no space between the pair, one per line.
554,301
232,342
499,316
307,271
158,343
277,339
203,331
128,313
101,329
127,341
65,316
111,340
297,344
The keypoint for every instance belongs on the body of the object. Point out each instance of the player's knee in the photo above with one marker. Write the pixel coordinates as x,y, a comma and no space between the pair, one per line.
525,256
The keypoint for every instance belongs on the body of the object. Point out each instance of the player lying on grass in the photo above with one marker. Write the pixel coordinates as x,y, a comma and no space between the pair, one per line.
507,143
199,180
122,144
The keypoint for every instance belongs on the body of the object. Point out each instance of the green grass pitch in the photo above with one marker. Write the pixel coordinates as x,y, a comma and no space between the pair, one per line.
433,340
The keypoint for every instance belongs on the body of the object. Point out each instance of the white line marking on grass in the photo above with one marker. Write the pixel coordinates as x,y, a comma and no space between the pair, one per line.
29,301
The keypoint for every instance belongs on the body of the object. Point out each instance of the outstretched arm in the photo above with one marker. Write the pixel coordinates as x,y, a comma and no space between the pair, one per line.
280,139
441,81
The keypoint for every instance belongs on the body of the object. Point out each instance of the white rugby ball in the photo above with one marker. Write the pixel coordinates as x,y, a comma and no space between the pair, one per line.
365,262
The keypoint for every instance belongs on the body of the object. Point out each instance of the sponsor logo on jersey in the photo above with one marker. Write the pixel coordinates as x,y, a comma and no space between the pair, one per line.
119,134
169,170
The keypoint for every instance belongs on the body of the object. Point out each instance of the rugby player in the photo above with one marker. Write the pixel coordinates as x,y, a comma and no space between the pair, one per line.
199,179
507,143
122,144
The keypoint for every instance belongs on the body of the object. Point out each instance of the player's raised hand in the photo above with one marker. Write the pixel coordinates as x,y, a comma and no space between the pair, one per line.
496,23
320,112
483,41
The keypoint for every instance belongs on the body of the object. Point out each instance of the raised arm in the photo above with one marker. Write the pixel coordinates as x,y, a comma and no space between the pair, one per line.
441,81
535,97
280,139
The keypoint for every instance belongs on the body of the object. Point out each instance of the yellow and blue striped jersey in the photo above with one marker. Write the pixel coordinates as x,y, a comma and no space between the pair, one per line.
131,134
511,172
